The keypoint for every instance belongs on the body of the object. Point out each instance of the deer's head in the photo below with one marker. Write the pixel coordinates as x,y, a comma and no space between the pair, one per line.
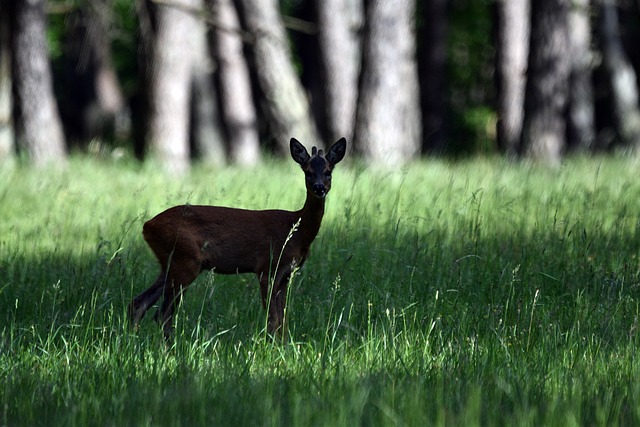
317,167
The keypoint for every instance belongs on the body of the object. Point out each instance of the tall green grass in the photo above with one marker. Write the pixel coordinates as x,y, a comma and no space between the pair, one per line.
471,293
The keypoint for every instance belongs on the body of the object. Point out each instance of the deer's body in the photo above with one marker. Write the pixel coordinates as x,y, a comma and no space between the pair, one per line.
188,239
214,248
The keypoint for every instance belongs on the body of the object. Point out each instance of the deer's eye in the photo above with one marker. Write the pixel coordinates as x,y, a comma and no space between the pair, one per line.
327,175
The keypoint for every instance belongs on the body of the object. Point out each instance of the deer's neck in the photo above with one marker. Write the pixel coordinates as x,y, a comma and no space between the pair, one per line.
310,218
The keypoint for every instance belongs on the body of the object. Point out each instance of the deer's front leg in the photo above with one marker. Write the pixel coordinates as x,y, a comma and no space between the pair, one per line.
278,321
277,325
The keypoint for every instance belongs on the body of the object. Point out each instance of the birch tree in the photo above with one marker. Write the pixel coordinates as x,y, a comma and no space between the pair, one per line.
39,130
388,123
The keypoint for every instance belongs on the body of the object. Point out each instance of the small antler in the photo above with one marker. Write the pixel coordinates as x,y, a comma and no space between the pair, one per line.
316,152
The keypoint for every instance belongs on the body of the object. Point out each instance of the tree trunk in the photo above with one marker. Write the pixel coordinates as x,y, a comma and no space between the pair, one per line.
433,69
140,99
581,114
7,137
388,123
623,80
284,101
236,99
512,48
170,86
339,25
208,140
39,127
93,106
543,133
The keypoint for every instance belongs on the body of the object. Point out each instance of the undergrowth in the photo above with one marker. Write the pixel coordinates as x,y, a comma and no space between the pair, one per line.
478,292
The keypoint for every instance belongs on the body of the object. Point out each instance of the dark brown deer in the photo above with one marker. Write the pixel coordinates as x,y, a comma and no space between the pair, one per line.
189,239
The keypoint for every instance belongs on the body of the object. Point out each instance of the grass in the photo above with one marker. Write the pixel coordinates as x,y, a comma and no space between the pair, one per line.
470,293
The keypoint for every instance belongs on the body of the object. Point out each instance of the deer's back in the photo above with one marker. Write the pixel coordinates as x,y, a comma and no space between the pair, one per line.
228,240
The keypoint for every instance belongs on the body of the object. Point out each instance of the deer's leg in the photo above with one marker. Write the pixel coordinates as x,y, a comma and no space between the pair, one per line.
140,304
264,289
276,325
279,304
180,276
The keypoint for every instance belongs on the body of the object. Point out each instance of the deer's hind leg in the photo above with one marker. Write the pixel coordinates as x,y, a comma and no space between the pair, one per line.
178,279
143,302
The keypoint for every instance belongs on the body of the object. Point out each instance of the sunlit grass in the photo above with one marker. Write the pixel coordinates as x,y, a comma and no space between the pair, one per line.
442,293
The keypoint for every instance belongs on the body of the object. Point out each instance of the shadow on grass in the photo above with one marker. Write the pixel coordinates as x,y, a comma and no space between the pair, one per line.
379,320
353,277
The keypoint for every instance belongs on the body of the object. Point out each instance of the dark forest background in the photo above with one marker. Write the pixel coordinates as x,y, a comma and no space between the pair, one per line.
225,81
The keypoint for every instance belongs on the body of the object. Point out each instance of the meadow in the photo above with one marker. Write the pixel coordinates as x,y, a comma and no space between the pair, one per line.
443,293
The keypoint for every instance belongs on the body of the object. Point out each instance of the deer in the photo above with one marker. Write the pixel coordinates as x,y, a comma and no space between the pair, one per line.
272,244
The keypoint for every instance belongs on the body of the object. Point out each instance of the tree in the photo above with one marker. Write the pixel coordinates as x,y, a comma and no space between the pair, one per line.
236,99
92,103
38,121
170,85
339,23
581,117
7,138
206,133
285,104
433,68
388,123
512,48
621,75
543,132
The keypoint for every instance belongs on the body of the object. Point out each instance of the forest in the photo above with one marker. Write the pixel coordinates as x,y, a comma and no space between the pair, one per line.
224,81
478,261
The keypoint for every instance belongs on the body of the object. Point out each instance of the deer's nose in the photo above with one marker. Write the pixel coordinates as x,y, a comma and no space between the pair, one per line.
319,190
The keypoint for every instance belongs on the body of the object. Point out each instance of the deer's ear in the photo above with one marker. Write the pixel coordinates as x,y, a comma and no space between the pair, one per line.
298,152
337,151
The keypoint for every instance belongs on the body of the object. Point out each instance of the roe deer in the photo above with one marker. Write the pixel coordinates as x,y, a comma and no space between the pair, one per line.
189,239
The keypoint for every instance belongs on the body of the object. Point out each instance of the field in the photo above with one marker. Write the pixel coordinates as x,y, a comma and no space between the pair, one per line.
445,293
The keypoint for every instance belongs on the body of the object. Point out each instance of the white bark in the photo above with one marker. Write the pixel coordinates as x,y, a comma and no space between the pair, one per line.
285,102
170,85
512,53
622,77
207,134
388,112
581,108
40,129
339,24
544,126
238,109
7,136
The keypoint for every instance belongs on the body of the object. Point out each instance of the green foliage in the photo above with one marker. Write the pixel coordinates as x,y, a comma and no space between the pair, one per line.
470,78
439,294
474,132
125,36
470,67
